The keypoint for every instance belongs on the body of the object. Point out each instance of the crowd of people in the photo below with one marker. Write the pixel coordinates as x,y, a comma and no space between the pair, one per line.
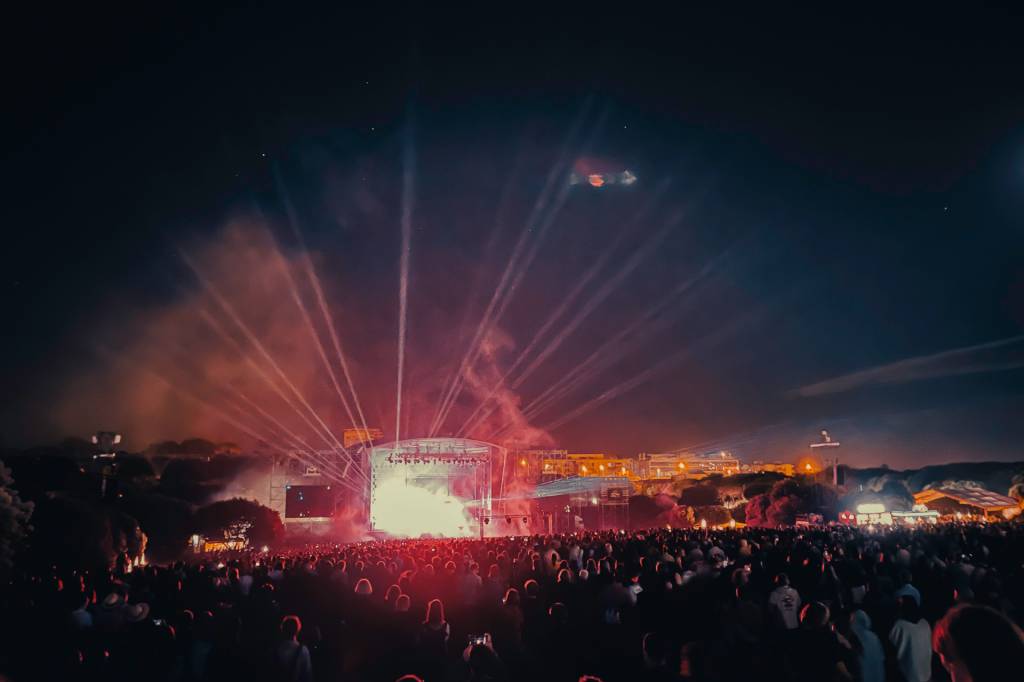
810,604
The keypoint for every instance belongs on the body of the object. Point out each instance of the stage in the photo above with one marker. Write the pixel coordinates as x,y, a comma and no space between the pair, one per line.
439,487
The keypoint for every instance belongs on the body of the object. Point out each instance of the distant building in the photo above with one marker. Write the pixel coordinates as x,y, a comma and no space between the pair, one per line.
663,466
539,465
600,464
547,465
784,468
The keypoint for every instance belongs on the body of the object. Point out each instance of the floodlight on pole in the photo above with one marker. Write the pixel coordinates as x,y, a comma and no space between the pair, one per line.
105,442
827,442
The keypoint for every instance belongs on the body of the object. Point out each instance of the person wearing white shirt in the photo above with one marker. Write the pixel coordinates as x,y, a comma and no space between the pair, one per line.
912,638
785,602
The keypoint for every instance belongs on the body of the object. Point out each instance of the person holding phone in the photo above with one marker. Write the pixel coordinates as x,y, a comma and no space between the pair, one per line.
483,661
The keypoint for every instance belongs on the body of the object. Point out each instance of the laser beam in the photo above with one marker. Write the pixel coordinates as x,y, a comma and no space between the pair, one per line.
225,305
408,196
325,311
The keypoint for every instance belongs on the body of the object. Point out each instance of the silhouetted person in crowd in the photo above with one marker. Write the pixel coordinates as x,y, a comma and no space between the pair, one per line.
432,640
979,644
911,637
656,666
785,603
867,647
291,658
557,605
817,653
508,637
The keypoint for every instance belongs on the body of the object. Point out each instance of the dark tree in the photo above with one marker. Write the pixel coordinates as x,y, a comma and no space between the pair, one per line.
238,518
133,467
699,496
715,515
126,534
185,479
166,521
15,514
643,511
788,498
77,447
755,489
167,447
198,446
751,478
38,474
756,512
71,533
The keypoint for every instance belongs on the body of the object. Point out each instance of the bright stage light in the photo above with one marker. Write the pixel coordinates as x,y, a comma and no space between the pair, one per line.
411,511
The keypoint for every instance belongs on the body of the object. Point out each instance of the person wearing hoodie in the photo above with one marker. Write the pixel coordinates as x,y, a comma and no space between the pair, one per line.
868,647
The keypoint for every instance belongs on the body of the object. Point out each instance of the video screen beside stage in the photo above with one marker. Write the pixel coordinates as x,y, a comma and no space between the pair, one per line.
309,501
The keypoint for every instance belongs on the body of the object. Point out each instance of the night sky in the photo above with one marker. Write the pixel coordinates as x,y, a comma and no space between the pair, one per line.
851,185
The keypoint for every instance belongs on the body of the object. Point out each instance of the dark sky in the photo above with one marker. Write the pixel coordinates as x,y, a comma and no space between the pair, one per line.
856,178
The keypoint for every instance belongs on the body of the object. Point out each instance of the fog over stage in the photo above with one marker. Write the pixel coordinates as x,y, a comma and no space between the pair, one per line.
439,487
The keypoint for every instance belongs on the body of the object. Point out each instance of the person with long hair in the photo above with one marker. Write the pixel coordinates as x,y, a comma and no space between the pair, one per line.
434,631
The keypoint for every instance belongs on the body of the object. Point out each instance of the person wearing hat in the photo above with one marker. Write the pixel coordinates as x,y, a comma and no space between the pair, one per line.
109,616
135,613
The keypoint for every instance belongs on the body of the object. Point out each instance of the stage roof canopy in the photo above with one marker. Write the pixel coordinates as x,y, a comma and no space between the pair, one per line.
972,497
